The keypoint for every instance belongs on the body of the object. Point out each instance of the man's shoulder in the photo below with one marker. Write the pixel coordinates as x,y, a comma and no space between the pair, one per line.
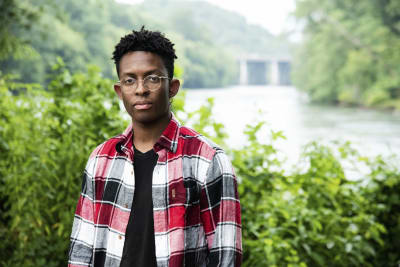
193,141
194,144
108,147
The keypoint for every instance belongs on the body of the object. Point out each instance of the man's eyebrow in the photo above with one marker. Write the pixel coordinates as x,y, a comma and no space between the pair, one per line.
152,72
131,74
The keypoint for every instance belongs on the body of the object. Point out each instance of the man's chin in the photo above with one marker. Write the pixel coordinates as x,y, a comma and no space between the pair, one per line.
143,118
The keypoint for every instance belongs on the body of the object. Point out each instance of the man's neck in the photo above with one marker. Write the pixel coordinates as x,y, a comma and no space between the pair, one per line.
146,135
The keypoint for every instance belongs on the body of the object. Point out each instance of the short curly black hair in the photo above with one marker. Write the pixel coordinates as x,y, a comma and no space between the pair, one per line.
149,41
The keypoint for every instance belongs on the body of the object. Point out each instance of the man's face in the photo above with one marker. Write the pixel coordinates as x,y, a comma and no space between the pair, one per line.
143,105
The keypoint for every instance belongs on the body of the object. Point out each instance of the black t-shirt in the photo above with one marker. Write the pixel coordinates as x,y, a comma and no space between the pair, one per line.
139,246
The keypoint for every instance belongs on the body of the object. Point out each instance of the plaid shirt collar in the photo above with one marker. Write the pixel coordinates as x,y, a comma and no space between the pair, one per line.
168,138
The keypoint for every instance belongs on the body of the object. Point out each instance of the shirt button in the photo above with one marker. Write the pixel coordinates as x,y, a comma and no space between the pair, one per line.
132,172
126,206
120,237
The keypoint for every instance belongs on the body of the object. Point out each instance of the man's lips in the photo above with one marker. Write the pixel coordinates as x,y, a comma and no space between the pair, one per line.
142,105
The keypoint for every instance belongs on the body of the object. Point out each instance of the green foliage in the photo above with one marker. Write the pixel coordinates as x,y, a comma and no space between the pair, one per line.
206,48
45,138
16,17
315,215
201,21
312,215
350,52
383,191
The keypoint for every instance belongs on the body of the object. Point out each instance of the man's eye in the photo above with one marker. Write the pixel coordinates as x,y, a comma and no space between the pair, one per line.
129,81
153,78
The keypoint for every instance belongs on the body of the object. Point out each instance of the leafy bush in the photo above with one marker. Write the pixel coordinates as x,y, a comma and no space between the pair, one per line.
383,195
312,215
45,140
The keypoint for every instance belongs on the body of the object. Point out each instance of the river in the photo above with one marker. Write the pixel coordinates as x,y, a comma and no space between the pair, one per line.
285,108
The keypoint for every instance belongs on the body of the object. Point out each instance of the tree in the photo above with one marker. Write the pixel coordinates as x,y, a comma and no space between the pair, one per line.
16,17
349,54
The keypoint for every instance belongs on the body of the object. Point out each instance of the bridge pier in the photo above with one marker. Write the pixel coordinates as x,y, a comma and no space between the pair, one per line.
274,72
277,70
244,76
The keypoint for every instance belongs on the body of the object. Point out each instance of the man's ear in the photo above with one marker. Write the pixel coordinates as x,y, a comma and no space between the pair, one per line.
117,89
174,87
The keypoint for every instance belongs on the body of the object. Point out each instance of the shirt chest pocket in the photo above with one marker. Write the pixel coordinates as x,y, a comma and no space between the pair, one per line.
185,192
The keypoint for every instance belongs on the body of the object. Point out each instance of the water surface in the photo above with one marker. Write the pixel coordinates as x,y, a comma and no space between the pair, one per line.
284,108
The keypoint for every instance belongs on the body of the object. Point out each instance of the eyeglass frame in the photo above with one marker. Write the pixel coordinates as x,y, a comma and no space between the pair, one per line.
121,83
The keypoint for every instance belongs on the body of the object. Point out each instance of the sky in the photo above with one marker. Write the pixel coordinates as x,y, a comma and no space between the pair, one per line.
272,15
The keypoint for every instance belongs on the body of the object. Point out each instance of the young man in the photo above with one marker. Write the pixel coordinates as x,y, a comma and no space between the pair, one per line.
159,194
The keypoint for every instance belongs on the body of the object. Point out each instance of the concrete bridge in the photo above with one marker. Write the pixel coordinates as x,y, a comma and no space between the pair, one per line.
262,70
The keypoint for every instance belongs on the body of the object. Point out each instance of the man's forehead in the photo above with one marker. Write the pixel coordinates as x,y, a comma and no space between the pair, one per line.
141,60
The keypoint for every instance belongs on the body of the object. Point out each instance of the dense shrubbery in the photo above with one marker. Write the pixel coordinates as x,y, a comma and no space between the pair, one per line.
308,216
45,139
315,215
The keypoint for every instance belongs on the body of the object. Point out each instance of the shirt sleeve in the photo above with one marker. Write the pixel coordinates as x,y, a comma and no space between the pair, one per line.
82,236
220,213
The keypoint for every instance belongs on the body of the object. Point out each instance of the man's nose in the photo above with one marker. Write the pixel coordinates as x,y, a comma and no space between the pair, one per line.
141,89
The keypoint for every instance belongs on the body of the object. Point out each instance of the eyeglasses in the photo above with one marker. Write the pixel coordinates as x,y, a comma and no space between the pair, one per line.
151,82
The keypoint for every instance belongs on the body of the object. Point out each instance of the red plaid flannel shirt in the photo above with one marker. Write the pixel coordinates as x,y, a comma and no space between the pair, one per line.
195,203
